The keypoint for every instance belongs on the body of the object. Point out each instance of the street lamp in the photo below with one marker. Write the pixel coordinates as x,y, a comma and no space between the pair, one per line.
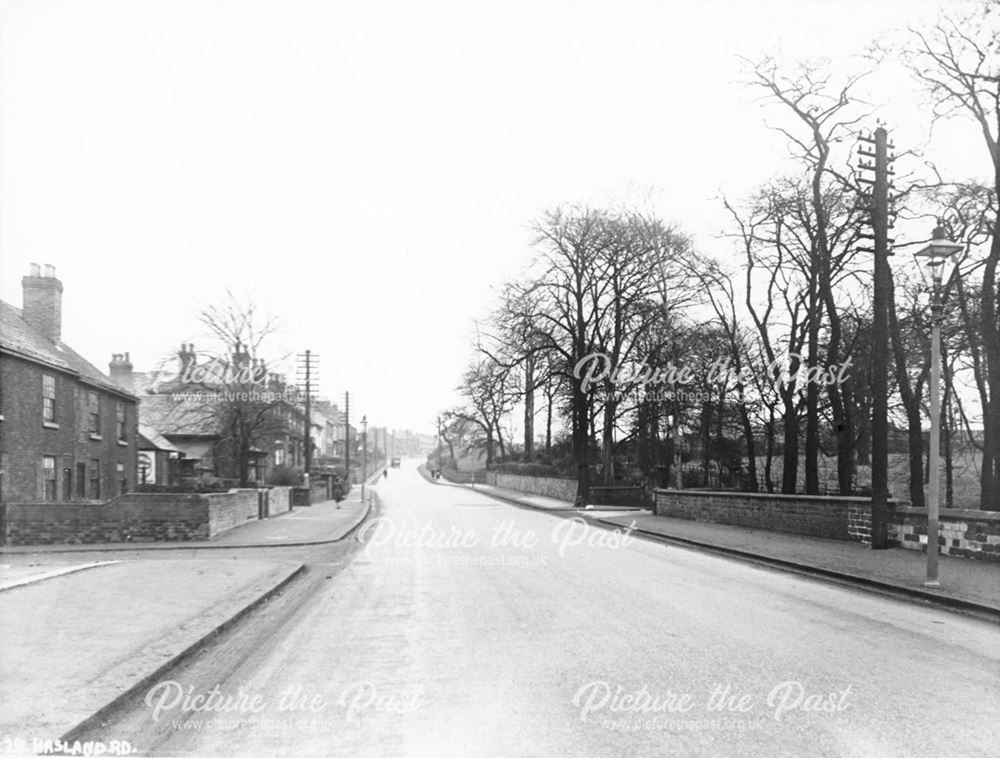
939,250
364,454
673,421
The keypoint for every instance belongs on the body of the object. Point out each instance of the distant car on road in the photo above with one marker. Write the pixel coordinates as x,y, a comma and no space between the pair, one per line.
394,463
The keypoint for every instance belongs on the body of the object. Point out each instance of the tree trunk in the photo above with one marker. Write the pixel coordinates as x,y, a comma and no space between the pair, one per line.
911,404
790,455
548,425
748,441
608,443
529,407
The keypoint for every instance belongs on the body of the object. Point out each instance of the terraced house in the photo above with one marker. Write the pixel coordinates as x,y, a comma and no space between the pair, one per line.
67,432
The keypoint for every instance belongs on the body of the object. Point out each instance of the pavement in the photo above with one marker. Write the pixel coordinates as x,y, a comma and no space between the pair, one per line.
134,618
968,585
47,687
316,524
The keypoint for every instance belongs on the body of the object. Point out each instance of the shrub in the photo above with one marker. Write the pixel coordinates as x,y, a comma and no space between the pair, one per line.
284,476
201,484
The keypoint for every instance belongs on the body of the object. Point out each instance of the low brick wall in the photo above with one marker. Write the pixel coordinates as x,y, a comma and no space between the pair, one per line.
560,488
230,509
279,500
134,517
961,533
813,516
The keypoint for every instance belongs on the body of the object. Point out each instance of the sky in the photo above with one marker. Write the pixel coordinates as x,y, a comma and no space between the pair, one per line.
366,171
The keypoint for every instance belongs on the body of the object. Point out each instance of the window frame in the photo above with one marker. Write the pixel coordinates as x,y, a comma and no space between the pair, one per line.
48,398
94,413
121,420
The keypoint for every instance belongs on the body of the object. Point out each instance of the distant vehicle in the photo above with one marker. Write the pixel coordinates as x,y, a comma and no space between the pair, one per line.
394,463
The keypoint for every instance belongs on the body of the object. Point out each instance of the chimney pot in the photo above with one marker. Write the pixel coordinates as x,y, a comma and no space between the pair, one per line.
35,270
49,271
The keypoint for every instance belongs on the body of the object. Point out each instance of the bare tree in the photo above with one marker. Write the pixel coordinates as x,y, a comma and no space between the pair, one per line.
232,391
823,223
958,61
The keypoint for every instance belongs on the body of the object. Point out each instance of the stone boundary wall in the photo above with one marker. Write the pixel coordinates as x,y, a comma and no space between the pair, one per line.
560,488
961,533
812,516
133,517
464,477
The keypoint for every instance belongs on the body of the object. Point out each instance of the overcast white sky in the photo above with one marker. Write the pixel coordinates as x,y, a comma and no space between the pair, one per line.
366,169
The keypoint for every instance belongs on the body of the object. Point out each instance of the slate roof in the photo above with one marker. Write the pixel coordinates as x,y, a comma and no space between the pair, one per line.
178,415
17,338
152,439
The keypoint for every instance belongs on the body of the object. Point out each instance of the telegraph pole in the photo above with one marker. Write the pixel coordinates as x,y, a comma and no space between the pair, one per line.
308,366
440,462
347,438
878,208
364,454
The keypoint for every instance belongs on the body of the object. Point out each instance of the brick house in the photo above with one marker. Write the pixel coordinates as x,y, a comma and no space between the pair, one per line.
182,417
67,432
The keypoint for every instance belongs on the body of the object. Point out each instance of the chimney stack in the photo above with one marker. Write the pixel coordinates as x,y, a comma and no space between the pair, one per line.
42,301
120,371
188,358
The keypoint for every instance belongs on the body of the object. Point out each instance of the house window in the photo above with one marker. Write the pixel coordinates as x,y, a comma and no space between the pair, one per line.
48,398
49,478
121,420
94,412
94,491
81,480
67,489
122,479
279,457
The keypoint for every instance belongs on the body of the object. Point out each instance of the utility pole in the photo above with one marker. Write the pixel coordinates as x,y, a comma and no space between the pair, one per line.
308,366
364,454
347,438
879,220
440,463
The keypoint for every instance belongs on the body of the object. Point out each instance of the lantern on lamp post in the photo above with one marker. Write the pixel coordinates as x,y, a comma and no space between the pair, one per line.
935,254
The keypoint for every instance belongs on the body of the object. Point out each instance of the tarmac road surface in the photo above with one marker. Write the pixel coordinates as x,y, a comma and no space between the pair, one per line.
464,626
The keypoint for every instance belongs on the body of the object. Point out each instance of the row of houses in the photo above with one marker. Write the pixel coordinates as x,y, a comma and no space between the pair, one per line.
72,433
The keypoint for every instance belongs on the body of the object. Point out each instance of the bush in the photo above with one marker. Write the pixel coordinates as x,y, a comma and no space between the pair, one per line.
201,484
528,469
209,483
284,476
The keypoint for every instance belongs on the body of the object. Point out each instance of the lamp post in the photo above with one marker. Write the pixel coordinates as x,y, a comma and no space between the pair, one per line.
673,420
364,454
939,250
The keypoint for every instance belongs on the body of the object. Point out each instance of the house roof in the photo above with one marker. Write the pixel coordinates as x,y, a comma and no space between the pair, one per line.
18,338
178,415
149,438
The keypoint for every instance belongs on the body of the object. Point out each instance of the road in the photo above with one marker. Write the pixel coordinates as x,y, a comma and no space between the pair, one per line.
463,626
